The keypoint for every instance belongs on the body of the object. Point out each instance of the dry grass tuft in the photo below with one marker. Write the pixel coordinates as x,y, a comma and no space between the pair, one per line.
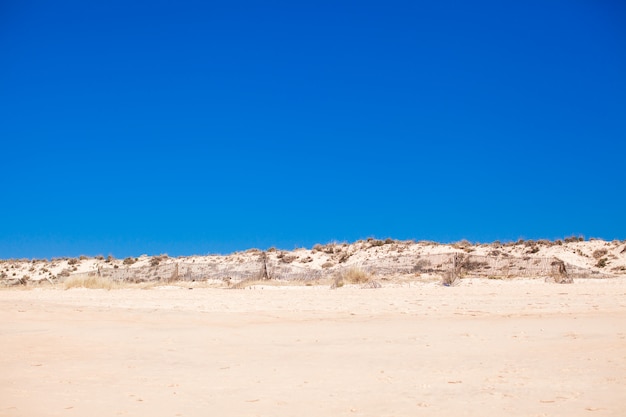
93,282
356,275
353,275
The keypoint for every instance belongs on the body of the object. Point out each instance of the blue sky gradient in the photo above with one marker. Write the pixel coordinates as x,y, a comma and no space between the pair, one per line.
202,127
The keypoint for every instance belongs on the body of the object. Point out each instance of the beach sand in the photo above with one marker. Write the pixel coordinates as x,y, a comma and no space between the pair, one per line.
483,348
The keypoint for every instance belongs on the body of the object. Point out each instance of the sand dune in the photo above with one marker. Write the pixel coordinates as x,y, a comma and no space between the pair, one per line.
205,335
391,259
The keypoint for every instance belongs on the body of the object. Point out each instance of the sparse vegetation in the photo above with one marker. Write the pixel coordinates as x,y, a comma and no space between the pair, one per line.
599,253
422,265
462,244
288,258
356,275
328,249
156,260
353,275
598,257
342,257
93,282
64,273
468,265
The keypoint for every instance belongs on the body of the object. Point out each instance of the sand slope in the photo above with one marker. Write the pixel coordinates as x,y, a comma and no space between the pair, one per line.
389,258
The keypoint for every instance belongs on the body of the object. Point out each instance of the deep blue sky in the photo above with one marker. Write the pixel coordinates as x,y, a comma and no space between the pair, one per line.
201,127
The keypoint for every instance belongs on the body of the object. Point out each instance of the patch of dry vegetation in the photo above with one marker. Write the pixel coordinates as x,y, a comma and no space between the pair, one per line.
353,275
102,283
89,281
599,253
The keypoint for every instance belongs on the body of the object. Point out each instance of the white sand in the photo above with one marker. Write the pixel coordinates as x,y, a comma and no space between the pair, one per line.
484,348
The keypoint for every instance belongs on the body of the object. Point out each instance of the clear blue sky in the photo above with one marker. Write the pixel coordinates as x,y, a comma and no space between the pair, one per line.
131,127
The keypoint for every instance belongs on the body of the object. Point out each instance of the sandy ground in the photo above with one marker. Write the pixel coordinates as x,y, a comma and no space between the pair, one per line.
486,347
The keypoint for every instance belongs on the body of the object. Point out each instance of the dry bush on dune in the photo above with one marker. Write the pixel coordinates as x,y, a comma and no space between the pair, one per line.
599,253
93,282
376,242
353,275
64,273
328,249
422,265
356,275
342,256
288,258
533,249
156,260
